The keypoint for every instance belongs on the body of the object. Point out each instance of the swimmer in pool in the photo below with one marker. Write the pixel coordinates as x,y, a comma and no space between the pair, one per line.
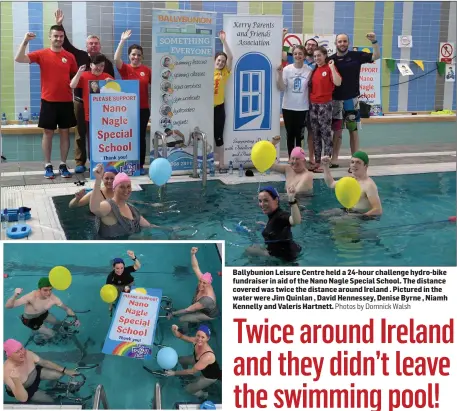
277,232
23,370
202,360
82,198
37,305
121,276
297,174
204,306
369,204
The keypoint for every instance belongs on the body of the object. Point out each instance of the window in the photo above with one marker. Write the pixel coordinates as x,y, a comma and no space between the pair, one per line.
251,93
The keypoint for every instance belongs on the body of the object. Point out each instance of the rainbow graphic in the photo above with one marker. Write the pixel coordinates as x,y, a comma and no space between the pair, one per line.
131,350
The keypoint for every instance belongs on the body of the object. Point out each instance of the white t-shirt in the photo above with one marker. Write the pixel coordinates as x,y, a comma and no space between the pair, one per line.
296,95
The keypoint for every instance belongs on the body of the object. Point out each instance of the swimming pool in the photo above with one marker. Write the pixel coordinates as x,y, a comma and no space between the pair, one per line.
406,235
166,266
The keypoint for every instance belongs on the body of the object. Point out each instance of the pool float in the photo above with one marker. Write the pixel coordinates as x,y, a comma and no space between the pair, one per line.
19,231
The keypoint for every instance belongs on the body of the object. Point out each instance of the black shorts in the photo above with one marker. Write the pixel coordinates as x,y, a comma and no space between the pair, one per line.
54,114
219,124
35,323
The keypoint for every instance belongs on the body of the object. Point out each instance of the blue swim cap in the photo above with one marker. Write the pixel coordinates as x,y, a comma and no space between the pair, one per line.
269,189
207,405
205,329
118,261
110,169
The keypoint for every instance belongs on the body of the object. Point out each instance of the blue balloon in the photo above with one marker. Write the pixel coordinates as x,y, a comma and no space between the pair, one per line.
167,358
160,171
207,405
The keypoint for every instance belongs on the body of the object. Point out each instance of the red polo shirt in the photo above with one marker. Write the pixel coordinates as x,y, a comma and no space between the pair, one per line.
141,73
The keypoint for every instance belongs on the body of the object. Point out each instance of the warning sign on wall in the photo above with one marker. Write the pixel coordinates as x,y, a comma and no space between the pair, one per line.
447,52
292,40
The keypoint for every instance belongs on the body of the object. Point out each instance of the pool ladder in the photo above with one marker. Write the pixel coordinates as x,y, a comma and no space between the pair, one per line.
100,395
196,135
157,403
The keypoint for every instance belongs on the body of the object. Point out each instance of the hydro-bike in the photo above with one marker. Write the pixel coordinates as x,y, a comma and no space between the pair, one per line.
62,391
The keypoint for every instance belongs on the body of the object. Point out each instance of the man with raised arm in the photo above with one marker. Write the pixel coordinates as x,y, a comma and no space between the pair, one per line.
57,66
83,58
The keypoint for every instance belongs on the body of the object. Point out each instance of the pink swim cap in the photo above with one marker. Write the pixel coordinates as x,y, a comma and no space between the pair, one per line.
11,346
207,277
298,152
120,178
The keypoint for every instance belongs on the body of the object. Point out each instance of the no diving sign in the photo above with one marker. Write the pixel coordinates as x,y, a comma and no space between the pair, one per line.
447,52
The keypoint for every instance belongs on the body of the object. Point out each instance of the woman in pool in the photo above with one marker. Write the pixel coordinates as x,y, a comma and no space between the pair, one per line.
323,81
82,198
277,232
116,218
203,360
121,276
204,307
222,67
136,71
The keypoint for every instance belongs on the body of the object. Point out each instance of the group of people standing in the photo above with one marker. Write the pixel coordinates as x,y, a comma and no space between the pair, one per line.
321,94
68,76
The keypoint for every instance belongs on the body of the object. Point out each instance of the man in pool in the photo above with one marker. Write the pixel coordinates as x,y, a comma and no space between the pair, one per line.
297,175
37,305
23,370
369,204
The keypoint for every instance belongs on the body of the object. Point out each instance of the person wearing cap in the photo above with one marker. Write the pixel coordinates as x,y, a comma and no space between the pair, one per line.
23,371
278,230
204,306
121,276
369,204
36,308
203,360
297,175
82,198
115,218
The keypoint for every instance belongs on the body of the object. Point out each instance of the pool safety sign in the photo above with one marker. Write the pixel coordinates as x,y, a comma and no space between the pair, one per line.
447,52
324,40
132,329
114,125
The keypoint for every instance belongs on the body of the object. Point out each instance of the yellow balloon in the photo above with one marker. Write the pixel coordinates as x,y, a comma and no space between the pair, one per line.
60,278
263,155
348,191
108,293
140,290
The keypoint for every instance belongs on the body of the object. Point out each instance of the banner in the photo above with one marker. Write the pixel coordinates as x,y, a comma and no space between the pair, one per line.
370,83
132,329
114,125
182,93
252,100
325,40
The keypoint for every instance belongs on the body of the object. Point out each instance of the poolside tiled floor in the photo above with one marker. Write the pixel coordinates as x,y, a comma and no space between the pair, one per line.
23,183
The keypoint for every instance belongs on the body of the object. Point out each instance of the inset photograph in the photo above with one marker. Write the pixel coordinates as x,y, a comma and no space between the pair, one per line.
165,110
83,320
165,86
166,62
166,74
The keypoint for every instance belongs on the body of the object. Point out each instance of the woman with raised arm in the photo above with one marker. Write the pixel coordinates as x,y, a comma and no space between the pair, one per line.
202,360
203,307
136,71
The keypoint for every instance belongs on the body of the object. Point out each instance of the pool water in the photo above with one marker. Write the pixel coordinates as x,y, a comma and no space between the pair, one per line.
413,231
166,266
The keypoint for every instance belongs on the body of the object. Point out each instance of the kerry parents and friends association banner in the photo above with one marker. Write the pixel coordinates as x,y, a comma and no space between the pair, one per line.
182,94
252,99
132,329
114,125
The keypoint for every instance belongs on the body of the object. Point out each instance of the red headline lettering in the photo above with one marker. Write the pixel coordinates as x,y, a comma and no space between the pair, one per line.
410,333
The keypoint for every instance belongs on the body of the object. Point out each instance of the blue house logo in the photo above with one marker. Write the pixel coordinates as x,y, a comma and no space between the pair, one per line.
253,94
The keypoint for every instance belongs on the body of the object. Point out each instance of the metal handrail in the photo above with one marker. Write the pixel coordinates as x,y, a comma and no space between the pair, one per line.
195,135
158,397
163,137
100,394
